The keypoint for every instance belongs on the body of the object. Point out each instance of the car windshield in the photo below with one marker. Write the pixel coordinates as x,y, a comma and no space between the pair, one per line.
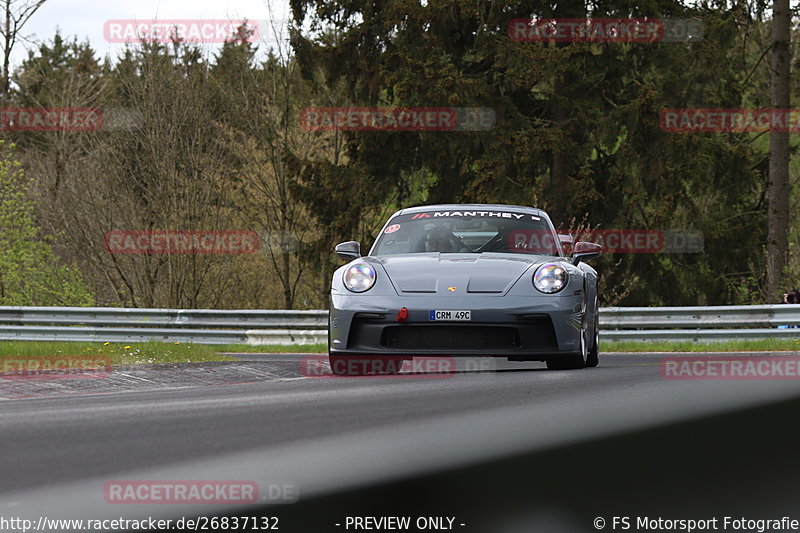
468,232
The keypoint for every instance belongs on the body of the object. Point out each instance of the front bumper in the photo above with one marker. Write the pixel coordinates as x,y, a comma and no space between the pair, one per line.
516,327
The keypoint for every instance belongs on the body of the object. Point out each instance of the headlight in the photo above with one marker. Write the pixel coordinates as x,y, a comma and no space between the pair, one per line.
550,278
359,277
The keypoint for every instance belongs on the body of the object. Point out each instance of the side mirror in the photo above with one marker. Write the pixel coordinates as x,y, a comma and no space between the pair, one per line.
348,250
583,251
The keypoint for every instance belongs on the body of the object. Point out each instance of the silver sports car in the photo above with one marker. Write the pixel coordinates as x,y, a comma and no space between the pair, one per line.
464,280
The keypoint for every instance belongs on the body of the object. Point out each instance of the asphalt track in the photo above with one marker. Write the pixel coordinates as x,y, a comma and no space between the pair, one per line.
475,445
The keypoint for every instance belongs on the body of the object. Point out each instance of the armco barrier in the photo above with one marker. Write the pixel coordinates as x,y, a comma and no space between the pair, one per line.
256,327
700,324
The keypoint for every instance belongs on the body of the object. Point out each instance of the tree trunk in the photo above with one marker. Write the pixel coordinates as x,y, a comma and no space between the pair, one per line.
7,50
562,163
778,185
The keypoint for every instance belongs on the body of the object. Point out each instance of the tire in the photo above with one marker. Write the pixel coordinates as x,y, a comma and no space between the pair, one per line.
593,357
571,362
576,361
329,332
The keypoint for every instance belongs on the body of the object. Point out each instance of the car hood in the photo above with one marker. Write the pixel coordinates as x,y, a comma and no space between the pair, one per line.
434,273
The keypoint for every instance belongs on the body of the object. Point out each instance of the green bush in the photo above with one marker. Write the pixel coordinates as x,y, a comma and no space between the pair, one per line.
30,272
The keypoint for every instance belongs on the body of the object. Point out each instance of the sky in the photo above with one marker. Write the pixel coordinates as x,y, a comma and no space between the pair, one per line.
86,18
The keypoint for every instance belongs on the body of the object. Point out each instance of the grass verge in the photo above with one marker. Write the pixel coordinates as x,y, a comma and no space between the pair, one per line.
163,352
765,345
272,348
118,353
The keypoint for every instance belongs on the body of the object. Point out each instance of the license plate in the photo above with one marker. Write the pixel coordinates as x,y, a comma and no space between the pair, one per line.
459,316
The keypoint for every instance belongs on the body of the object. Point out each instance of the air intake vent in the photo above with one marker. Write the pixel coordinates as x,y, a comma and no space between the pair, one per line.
487,337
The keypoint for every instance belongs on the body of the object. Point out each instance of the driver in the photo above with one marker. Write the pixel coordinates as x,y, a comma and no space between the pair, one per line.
439,240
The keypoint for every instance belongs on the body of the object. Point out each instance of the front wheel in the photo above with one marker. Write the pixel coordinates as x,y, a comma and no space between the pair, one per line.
593,357
573,362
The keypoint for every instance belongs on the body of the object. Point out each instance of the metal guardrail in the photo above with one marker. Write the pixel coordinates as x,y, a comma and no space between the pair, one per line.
256,327
201,326
173,318
728,316
130,335
699,324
